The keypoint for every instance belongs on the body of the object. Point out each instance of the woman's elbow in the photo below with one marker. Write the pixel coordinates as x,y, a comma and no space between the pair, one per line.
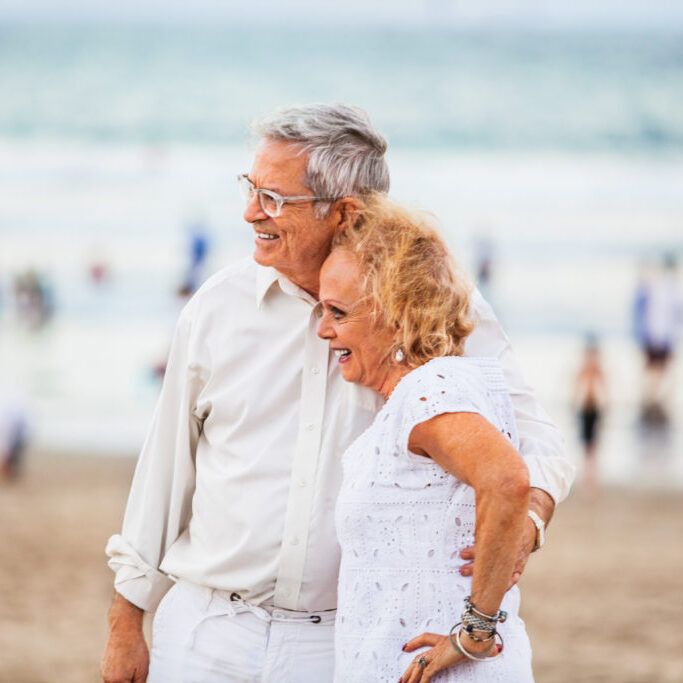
514,484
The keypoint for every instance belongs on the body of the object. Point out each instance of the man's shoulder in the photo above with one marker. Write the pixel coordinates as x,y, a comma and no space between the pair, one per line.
232,286
479,307
240,275
231,280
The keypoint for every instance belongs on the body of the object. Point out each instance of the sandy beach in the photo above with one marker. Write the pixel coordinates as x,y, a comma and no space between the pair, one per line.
601,601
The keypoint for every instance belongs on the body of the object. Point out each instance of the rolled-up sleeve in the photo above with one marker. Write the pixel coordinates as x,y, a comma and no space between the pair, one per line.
541,443
159,504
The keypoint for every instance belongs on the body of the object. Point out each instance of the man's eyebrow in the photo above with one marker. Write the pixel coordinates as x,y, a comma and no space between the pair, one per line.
275,189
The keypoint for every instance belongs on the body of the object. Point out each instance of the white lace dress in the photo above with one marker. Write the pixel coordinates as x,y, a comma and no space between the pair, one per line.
402,522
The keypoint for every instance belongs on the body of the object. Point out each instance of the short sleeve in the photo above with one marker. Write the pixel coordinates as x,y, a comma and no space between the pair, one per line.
444,385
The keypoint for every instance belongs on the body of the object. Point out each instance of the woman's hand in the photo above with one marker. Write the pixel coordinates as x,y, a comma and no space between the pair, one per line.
442,655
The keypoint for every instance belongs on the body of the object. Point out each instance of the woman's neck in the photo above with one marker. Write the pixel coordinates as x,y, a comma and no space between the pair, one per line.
393,376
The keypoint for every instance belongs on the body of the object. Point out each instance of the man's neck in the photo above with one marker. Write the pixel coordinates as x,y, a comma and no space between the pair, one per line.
309,282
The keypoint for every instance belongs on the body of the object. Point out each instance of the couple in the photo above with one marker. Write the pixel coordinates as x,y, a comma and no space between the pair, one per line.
229,533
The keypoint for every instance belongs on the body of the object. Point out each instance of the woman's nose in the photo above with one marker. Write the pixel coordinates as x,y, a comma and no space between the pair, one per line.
325,330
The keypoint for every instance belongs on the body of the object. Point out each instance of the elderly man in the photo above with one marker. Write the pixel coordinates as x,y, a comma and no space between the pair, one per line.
231,506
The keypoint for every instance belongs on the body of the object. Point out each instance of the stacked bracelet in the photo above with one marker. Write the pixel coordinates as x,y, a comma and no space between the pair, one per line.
499,616
458,646
474,620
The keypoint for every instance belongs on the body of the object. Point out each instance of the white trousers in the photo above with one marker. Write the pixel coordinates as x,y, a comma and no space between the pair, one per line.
201,635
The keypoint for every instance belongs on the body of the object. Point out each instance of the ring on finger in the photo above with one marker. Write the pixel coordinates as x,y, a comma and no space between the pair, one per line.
422,661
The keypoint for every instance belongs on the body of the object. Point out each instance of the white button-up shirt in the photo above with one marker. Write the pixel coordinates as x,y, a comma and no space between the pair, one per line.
236,483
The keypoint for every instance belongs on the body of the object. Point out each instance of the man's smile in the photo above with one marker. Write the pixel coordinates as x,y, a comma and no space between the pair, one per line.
266,236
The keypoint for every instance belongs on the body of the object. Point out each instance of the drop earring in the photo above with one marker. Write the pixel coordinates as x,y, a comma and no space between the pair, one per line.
399,356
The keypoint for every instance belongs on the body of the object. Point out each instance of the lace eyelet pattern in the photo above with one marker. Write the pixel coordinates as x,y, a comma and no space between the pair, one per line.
402,522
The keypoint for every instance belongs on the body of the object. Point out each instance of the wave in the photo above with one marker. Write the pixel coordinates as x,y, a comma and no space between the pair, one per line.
159,85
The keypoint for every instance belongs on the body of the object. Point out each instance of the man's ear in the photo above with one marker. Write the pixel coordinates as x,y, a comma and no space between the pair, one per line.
344,212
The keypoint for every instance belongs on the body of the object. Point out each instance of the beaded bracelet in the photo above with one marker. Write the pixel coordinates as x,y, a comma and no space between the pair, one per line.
491,635
473,623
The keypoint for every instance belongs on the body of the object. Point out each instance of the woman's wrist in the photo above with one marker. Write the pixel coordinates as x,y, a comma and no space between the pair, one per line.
475,647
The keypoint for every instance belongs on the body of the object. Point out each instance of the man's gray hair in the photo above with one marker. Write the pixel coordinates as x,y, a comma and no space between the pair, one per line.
346,154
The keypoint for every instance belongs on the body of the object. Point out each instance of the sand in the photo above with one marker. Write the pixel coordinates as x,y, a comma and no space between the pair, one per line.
601,600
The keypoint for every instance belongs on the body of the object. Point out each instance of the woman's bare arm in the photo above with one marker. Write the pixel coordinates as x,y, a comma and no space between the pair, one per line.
476,453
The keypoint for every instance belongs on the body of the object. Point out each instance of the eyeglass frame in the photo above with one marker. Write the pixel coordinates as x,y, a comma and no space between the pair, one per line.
279,200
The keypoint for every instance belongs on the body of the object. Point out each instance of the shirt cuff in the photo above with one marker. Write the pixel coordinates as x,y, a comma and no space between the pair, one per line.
136,580
551,473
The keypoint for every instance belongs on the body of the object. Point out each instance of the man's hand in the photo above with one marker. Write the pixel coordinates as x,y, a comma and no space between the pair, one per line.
544,506
126,657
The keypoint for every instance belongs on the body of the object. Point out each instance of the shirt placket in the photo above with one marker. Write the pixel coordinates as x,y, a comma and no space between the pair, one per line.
304,469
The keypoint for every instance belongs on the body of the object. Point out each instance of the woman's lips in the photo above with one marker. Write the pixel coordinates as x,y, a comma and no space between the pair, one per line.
343,355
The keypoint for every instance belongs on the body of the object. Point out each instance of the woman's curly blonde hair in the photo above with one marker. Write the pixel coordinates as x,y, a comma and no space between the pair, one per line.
410,278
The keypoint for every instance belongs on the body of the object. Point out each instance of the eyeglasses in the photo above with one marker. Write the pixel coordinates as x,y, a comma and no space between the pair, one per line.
271,202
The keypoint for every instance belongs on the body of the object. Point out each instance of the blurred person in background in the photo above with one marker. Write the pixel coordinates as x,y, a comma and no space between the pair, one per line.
13,432
658,315
590,400
229,528
484,249
197,257
98,270
34,299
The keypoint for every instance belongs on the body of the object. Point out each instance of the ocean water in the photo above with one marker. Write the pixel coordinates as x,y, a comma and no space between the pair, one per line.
563,152
425,89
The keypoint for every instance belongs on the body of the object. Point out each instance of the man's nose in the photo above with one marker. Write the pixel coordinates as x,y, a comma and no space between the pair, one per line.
253,211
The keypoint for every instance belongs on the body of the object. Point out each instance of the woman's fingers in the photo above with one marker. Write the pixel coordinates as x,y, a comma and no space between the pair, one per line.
467,553
423,640
408,674
415,672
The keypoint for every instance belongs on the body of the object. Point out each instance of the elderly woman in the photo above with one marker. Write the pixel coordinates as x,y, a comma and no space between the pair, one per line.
396,315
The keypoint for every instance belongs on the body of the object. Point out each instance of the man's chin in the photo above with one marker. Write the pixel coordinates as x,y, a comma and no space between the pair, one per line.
263,259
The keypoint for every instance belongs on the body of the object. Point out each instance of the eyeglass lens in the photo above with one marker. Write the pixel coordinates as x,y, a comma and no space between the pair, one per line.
269,203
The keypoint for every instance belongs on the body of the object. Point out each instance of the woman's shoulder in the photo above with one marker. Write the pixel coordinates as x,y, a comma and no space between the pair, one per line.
446,373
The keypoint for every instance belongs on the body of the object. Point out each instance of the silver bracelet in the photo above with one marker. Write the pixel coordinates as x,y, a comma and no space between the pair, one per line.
458,646
500,616
471,622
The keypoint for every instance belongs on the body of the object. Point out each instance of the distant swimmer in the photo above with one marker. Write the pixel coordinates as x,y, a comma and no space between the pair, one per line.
198,254
13,433
590,399
34,299
658,315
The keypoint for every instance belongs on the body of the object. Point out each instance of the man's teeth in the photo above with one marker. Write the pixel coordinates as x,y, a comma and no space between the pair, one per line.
266,236
342,353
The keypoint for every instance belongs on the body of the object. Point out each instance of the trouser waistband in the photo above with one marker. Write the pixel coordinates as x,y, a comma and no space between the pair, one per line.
233,603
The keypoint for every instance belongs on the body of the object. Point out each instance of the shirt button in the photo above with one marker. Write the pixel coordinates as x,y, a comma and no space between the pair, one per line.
315,369
302,483
286,592
310,427
294,540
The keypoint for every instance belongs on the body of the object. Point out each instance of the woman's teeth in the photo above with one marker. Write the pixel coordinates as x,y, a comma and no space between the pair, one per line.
266,236
342,353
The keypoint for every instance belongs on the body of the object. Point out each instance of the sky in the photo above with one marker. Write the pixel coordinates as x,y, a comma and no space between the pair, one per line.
631,14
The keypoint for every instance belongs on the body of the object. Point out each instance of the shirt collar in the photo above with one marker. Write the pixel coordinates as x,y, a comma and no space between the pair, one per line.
266,277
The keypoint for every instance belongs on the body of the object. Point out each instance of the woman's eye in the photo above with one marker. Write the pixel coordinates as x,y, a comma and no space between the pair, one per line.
337,313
